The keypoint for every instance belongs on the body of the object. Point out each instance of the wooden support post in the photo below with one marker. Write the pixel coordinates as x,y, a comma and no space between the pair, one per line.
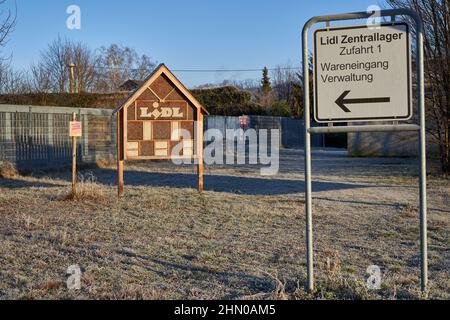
200,149
120,152
74,159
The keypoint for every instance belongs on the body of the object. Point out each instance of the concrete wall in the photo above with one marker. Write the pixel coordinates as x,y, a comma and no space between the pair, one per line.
388,144
383,144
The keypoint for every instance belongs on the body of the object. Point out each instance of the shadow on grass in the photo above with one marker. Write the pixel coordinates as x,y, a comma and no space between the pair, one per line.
17,184
239,282
212,182
220,183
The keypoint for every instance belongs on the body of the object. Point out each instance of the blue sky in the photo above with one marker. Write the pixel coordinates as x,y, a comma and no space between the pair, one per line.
196,34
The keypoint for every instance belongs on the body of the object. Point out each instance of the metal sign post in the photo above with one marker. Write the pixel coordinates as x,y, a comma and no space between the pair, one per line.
346,99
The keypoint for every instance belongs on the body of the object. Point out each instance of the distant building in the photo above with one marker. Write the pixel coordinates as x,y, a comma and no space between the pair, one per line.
129,85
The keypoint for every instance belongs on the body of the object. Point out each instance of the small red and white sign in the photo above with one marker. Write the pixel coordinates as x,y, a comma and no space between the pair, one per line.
244,121
75,129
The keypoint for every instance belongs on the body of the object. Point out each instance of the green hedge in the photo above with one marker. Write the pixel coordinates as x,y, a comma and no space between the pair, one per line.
226,101
81,100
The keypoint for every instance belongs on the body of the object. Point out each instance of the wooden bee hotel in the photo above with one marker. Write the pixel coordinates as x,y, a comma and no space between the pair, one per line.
160,120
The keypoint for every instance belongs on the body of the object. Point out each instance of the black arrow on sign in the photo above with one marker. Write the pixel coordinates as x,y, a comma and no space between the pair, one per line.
342,102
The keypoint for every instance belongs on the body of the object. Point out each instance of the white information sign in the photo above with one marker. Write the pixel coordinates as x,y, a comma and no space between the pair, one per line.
362,73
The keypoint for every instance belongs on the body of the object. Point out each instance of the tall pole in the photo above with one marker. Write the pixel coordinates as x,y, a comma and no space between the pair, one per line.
74,159
308,186
423,160
72,77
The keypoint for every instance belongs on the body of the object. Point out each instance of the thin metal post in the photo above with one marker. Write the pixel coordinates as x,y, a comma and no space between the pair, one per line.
308,185
423,159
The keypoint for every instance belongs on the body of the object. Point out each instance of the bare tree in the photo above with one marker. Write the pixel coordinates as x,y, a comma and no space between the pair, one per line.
282,78
51,72
12,81
144,67
7,24
297,95
39,79
104,72
117,64
247,84
436,17
55,60
85,62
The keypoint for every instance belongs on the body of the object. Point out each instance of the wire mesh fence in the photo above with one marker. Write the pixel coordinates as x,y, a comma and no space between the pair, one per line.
38,137
291,131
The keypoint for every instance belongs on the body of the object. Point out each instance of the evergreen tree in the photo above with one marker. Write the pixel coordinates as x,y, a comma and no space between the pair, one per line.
265,82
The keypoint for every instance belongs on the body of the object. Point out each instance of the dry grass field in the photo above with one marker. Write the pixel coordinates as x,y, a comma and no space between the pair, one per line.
242,239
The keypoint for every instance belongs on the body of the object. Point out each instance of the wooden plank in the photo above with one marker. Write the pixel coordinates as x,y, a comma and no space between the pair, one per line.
175,131
200,149
120,152
147,131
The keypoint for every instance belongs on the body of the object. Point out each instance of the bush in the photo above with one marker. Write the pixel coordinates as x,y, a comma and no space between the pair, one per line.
280,109
87,189
224,101
227,101
106,163
8,170
78,100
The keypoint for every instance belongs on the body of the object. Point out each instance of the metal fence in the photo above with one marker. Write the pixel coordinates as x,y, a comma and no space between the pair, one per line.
37,137
34,137
291,130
